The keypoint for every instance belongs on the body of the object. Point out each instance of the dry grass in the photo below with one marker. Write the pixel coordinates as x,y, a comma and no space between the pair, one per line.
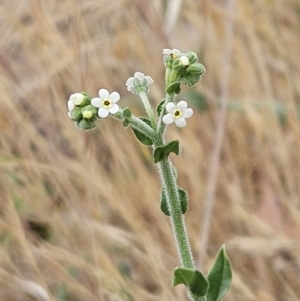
80,210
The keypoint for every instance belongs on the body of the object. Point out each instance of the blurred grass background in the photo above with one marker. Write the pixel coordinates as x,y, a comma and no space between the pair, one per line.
79,211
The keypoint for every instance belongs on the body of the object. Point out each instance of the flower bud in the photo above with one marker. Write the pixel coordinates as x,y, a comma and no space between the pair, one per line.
89,112
196,69
76,114
80,99
192,56
86,124
184,60
180,64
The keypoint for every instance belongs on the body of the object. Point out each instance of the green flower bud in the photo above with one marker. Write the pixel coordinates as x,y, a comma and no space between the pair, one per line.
80,99
196,69
76,114
88,112
87,124
180,64
192,56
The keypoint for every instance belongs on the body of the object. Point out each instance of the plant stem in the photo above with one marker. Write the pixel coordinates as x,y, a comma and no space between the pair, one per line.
148,108
168,178
177,219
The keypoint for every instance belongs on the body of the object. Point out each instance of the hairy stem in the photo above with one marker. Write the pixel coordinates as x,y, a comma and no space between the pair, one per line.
148,108
177,219
165,168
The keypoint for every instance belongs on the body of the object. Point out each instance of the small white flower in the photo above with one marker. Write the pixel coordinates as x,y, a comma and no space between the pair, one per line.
174,53
77,98
177,113
139,82
106,103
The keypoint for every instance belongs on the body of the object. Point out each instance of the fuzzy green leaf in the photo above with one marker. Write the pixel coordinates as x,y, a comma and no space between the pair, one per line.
164,203
183,197
126,117
162,152
173,88
160,107
140,136
192,279
219,277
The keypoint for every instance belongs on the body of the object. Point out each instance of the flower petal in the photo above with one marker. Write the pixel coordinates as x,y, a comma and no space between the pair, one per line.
113,109
149,79
168,118
103,93
170,107
180,122
96,102
139,75
71,105
176,52
102,113
182,105
167,51
114,97
187,113
129,82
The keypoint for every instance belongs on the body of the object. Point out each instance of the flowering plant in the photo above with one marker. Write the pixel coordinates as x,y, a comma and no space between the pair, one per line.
181,69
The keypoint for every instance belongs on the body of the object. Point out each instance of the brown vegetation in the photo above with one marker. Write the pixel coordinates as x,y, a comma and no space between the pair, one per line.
79,211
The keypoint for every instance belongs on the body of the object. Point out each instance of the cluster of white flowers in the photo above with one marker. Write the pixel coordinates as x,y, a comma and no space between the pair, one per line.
106,103
172,52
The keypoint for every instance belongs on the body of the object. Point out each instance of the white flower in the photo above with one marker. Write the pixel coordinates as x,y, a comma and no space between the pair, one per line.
139,82
106,103
77,98
174,53
177,113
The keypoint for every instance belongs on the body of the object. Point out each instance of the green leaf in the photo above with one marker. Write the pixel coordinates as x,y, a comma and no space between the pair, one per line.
183,197
173,88
192,279
140,136
160,107
126,117
162,152
219,277
164,203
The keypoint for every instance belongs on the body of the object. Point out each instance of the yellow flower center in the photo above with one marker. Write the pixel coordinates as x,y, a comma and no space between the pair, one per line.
106,103
177,113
